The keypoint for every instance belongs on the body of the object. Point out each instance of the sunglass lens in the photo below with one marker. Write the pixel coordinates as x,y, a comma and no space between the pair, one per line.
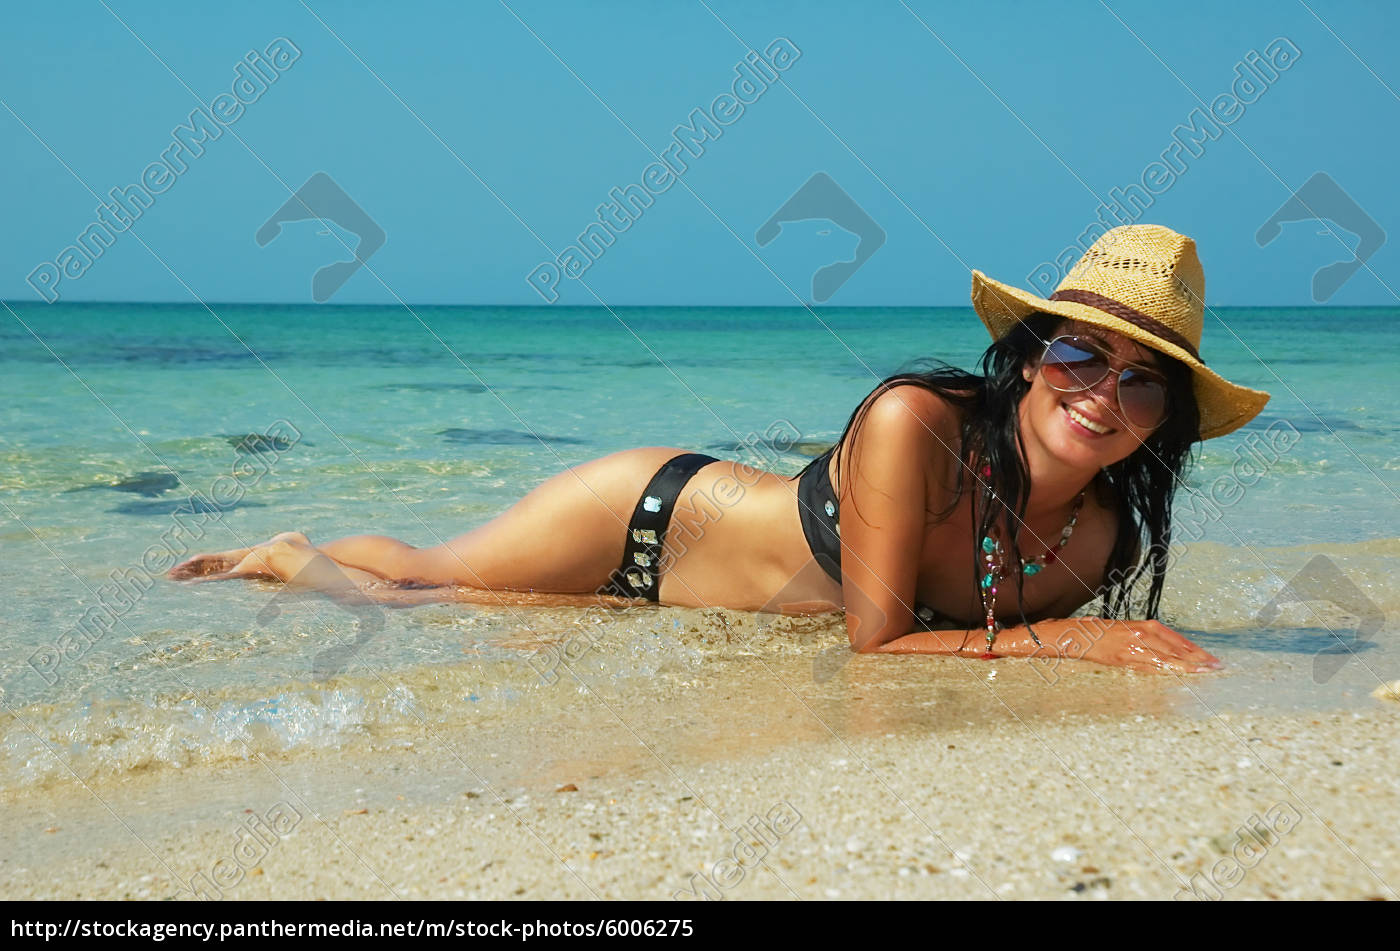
1142,397
1070,365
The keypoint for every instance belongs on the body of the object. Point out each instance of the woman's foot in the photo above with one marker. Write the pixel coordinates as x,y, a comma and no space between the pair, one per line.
207,567
279,558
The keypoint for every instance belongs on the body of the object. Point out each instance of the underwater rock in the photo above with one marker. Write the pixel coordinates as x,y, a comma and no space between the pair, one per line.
802,447
149,484
1305,422
253,443
431,387
503,437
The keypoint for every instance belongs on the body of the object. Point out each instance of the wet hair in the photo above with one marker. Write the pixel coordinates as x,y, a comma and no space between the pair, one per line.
1139,488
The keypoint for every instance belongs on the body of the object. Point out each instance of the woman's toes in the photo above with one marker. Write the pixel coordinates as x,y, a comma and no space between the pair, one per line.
202,566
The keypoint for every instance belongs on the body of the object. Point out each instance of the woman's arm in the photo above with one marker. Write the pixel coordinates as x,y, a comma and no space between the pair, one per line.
884,499
1137,645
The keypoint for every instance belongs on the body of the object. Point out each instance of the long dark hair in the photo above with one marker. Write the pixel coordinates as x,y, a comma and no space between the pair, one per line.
1139,488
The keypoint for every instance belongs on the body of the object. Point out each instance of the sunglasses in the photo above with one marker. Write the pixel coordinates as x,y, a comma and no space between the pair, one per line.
1072,364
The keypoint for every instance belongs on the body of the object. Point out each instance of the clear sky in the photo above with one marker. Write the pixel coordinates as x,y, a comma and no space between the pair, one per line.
482,137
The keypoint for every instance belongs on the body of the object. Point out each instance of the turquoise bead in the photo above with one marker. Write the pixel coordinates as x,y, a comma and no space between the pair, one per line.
987,580
1030,569
988,545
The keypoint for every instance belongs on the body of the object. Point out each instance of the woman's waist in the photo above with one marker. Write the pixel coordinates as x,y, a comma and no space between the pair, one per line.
751,532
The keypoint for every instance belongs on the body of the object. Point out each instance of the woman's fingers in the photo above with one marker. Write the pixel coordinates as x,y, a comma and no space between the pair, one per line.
1173,650
1149,646
1189,650
1185,645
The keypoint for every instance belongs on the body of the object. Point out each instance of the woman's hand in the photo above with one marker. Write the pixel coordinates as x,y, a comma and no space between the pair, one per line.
1136,645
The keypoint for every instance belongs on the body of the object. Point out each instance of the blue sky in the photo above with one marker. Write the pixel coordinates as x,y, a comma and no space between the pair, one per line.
481,137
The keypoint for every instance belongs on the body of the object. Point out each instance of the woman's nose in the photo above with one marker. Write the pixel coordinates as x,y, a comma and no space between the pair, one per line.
1106,392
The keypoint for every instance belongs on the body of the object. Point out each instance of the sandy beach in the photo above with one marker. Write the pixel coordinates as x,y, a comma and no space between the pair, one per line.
909,778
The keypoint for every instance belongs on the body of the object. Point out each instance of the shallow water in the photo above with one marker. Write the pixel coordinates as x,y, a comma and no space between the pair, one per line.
339,420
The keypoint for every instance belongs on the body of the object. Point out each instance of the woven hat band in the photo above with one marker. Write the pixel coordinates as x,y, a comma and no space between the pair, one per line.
1131,314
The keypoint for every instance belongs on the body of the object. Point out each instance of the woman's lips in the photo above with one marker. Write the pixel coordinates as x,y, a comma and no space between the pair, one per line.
1084,424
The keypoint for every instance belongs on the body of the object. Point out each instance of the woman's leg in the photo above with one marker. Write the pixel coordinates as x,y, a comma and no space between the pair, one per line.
380,555
287,557
565,536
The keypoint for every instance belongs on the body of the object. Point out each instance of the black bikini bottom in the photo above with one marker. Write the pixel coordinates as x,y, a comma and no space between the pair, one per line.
640,573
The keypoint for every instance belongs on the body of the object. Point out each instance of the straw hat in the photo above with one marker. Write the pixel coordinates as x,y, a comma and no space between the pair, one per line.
1144,282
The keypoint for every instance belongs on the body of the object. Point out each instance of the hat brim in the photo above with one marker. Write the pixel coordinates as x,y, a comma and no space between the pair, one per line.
1224,406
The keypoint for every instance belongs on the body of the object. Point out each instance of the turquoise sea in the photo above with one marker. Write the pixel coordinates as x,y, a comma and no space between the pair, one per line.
425,423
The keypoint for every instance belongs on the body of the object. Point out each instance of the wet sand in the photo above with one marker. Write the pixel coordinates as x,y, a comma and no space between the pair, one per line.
789,774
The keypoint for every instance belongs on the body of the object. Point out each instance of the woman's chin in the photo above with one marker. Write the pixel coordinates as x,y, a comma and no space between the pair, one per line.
1078,452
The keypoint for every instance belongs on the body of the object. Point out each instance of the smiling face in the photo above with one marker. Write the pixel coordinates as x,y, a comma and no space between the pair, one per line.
1086,429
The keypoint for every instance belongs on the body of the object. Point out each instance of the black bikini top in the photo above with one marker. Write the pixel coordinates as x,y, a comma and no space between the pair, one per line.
817,505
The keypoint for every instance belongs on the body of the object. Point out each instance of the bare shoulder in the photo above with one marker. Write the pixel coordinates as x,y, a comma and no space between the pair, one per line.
913,414
905,429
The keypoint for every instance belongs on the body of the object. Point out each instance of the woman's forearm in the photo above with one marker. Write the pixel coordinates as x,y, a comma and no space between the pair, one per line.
1010,642
1139,645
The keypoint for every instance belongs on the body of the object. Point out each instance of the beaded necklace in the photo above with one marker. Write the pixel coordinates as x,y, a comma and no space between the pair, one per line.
995,560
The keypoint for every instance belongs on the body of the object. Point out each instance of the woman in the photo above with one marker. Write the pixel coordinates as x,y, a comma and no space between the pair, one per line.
957,513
